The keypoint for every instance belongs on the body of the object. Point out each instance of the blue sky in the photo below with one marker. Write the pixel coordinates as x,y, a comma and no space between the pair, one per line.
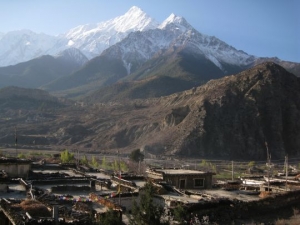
266,28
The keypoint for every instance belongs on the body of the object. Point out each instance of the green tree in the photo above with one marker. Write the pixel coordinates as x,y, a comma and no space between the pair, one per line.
84,160
136,155
21,156
66,156
111,217
208,165
180,213
203,162
147,212
104,164
94,162
116,165
251,164
123,166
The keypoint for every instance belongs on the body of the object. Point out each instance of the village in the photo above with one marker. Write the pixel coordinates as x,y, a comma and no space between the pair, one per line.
42,192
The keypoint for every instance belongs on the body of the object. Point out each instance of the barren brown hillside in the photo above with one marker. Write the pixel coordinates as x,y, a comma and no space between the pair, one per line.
232,117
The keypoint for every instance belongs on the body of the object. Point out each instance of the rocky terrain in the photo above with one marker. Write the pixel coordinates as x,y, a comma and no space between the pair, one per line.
233,117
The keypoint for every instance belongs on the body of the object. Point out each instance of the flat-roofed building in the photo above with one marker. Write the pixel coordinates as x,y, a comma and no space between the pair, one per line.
15,167
182,178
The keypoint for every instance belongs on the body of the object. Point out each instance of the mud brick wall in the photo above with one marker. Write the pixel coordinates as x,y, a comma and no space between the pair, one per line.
226,210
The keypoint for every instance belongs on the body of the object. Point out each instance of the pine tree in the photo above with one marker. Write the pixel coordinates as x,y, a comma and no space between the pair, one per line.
111,217
136,155
180,214
147,212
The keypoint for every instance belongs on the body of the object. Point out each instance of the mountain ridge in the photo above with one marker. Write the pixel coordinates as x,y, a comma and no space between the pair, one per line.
91,39
39,71
174,47
227,118
143,50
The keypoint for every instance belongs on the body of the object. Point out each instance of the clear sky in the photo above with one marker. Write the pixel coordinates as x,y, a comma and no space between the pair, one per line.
265,28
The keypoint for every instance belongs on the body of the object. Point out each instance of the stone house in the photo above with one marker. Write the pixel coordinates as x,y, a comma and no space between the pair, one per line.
182,178
15,167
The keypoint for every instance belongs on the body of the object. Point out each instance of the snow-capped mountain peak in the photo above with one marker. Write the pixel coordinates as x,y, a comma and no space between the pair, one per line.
171,19
93,39
134,19
177,22
23,45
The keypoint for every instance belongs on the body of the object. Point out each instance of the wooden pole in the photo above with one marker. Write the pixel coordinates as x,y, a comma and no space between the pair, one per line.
119,179
16,142
268,165
286,171
232,173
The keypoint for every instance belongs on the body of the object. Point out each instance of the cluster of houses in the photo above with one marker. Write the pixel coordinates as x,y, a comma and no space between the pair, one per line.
39,193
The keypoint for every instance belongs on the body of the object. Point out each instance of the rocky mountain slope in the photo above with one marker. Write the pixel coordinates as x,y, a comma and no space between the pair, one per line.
39,71
232,117
174,49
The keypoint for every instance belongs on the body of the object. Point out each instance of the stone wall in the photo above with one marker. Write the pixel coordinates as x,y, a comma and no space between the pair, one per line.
3,187
16,169
227,211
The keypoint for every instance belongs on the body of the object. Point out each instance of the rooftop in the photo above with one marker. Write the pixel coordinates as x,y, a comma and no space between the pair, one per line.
13,160
179,171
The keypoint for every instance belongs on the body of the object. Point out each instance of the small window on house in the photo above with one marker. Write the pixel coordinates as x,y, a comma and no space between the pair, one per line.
199,182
